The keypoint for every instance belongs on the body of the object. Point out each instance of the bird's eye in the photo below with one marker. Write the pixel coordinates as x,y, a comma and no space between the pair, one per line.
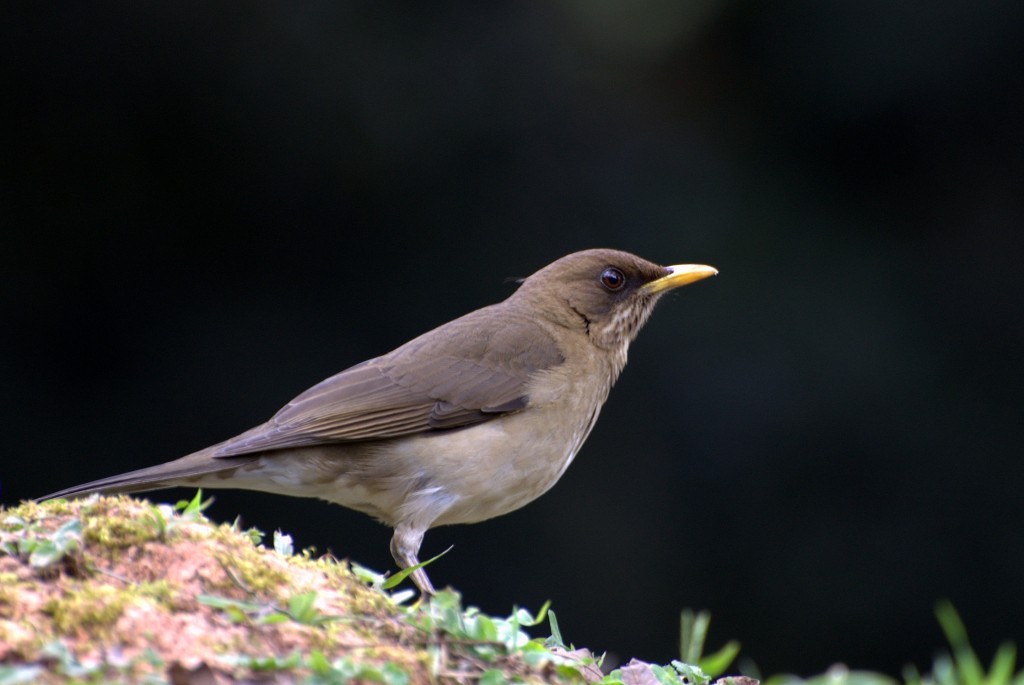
612,279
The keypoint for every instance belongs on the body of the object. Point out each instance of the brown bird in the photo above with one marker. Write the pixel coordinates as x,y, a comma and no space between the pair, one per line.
471,420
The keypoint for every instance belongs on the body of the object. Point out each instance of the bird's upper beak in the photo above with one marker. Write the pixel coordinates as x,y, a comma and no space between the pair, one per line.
678,275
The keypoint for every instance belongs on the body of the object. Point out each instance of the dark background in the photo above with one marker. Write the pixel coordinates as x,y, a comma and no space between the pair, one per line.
208,209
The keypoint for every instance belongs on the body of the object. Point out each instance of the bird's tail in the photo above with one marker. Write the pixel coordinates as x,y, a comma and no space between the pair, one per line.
194,469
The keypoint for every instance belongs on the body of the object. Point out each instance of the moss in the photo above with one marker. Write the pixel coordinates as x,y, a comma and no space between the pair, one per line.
57,507
99,606
247,563
112,530
160,591
31,511
8,591
90,606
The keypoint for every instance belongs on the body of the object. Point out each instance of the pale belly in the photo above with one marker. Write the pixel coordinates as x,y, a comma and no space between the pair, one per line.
514,468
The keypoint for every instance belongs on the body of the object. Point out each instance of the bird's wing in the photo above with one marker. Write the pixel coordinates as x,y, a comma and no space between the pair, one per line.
463,373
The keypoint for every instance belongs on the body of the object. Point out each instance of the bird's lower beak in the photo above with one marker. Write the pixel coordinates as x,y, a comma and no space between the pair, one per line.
678,275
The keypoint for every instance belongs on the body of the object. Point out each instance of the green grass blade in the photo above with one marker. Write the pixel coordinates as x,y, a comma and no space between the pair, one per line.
968,667
715,664
693,629
406,572
1001,672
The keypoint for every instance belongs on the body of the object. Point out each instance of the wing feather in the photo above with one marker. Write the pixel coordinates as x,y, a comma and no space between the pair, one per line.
463,373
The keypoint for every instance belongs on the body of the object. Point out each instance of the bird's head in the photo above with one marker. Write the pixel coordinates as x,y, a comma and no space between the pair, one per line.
606,293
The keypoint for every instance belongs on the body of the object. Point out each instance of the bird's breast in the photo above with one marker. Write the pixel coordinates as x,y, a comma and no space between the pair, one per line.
498,466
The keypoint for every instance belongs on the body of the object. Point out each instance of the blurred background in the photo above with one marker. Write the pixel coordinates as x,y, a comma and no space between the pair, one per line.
207,208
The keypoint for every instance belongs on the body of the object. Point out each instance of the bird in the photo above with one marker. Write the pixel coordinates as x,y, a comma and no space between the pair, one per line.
469,421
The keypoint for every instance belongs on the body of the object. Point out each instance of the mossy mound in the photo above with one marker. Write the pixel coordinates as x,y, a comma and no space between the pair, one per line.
117,589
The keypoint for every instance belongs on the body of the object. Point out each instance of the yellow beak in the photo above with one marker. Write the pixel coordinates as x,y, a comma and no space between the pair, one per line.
679,275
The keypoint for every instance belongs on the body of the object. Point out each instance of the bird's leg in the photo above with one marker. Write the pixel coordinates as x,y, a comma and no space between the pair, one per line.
405,548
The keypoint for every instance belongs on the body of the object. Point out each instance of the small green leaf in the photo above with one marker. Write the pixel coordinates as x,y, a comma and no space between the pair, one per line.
534,652
191,509
406,572
44,553
556,634
393,675
237,610
318,663
157,521
255,535
690,673
569,672
366,575
235,614
481,628
493,676
274,618
715,664
218,602
72,529
525,618
301,607
667,676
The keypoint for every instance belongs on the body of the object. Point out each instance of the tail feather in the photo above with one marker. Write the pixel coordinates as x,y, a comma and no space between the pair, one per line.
168,475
